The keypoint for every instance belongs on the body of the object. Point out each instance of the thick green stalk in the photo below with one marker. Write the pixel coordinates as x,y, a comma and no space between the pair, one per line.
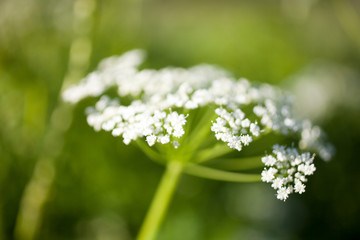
161,201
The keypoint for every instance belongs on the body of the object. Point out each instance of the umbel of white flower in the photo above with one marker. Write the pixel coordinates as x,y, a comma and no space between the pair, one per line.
166,104
286,169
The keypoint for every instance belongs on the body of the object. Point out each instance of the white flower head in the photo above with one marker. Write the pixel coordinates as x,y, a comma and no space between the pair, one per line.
162,96
290,170
162,102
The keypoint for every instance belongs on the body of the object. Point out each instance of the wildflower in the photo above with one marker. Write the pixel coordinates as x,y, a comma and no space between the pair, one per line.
163,101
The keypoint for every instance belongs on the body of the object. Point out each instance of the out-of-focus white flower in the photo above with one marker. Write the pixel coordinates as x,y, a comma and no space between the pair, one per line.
323,87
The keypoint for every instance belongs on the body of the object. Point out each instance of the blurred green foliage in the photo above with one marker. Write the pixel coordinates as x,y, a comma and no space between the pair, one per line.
102,188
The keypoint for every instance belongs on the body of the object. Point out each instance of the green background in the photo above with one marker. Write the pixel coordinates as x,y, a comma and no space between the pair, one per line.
102,188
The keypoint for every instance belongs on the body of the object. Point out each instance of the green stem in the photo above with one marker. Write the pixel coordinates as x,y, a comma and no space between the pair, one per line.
161,201
201,131
215,174
218,150
153,155
236,164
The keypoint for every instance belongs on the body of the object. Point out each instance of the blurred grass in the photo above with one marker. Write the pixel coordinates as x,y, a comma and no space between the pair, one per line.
103,188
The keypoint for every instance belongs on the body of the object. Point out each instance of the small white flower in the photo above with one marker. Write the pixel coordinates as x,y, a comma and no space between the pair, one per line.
151,140
259,110
278,182
291,171
283,193
108,125
268,175
233,142
164,139
245,123
117,132
246,139
239,115
159,114
299,187
289,122
178,132
254,129
269,160
307,169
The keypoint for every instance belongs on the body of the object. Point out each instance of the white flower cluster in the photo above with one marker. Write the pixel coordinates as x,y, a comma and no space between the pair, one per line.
111,70
162,100
136,120
312,138
276,115
162,96
286,169
233,128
